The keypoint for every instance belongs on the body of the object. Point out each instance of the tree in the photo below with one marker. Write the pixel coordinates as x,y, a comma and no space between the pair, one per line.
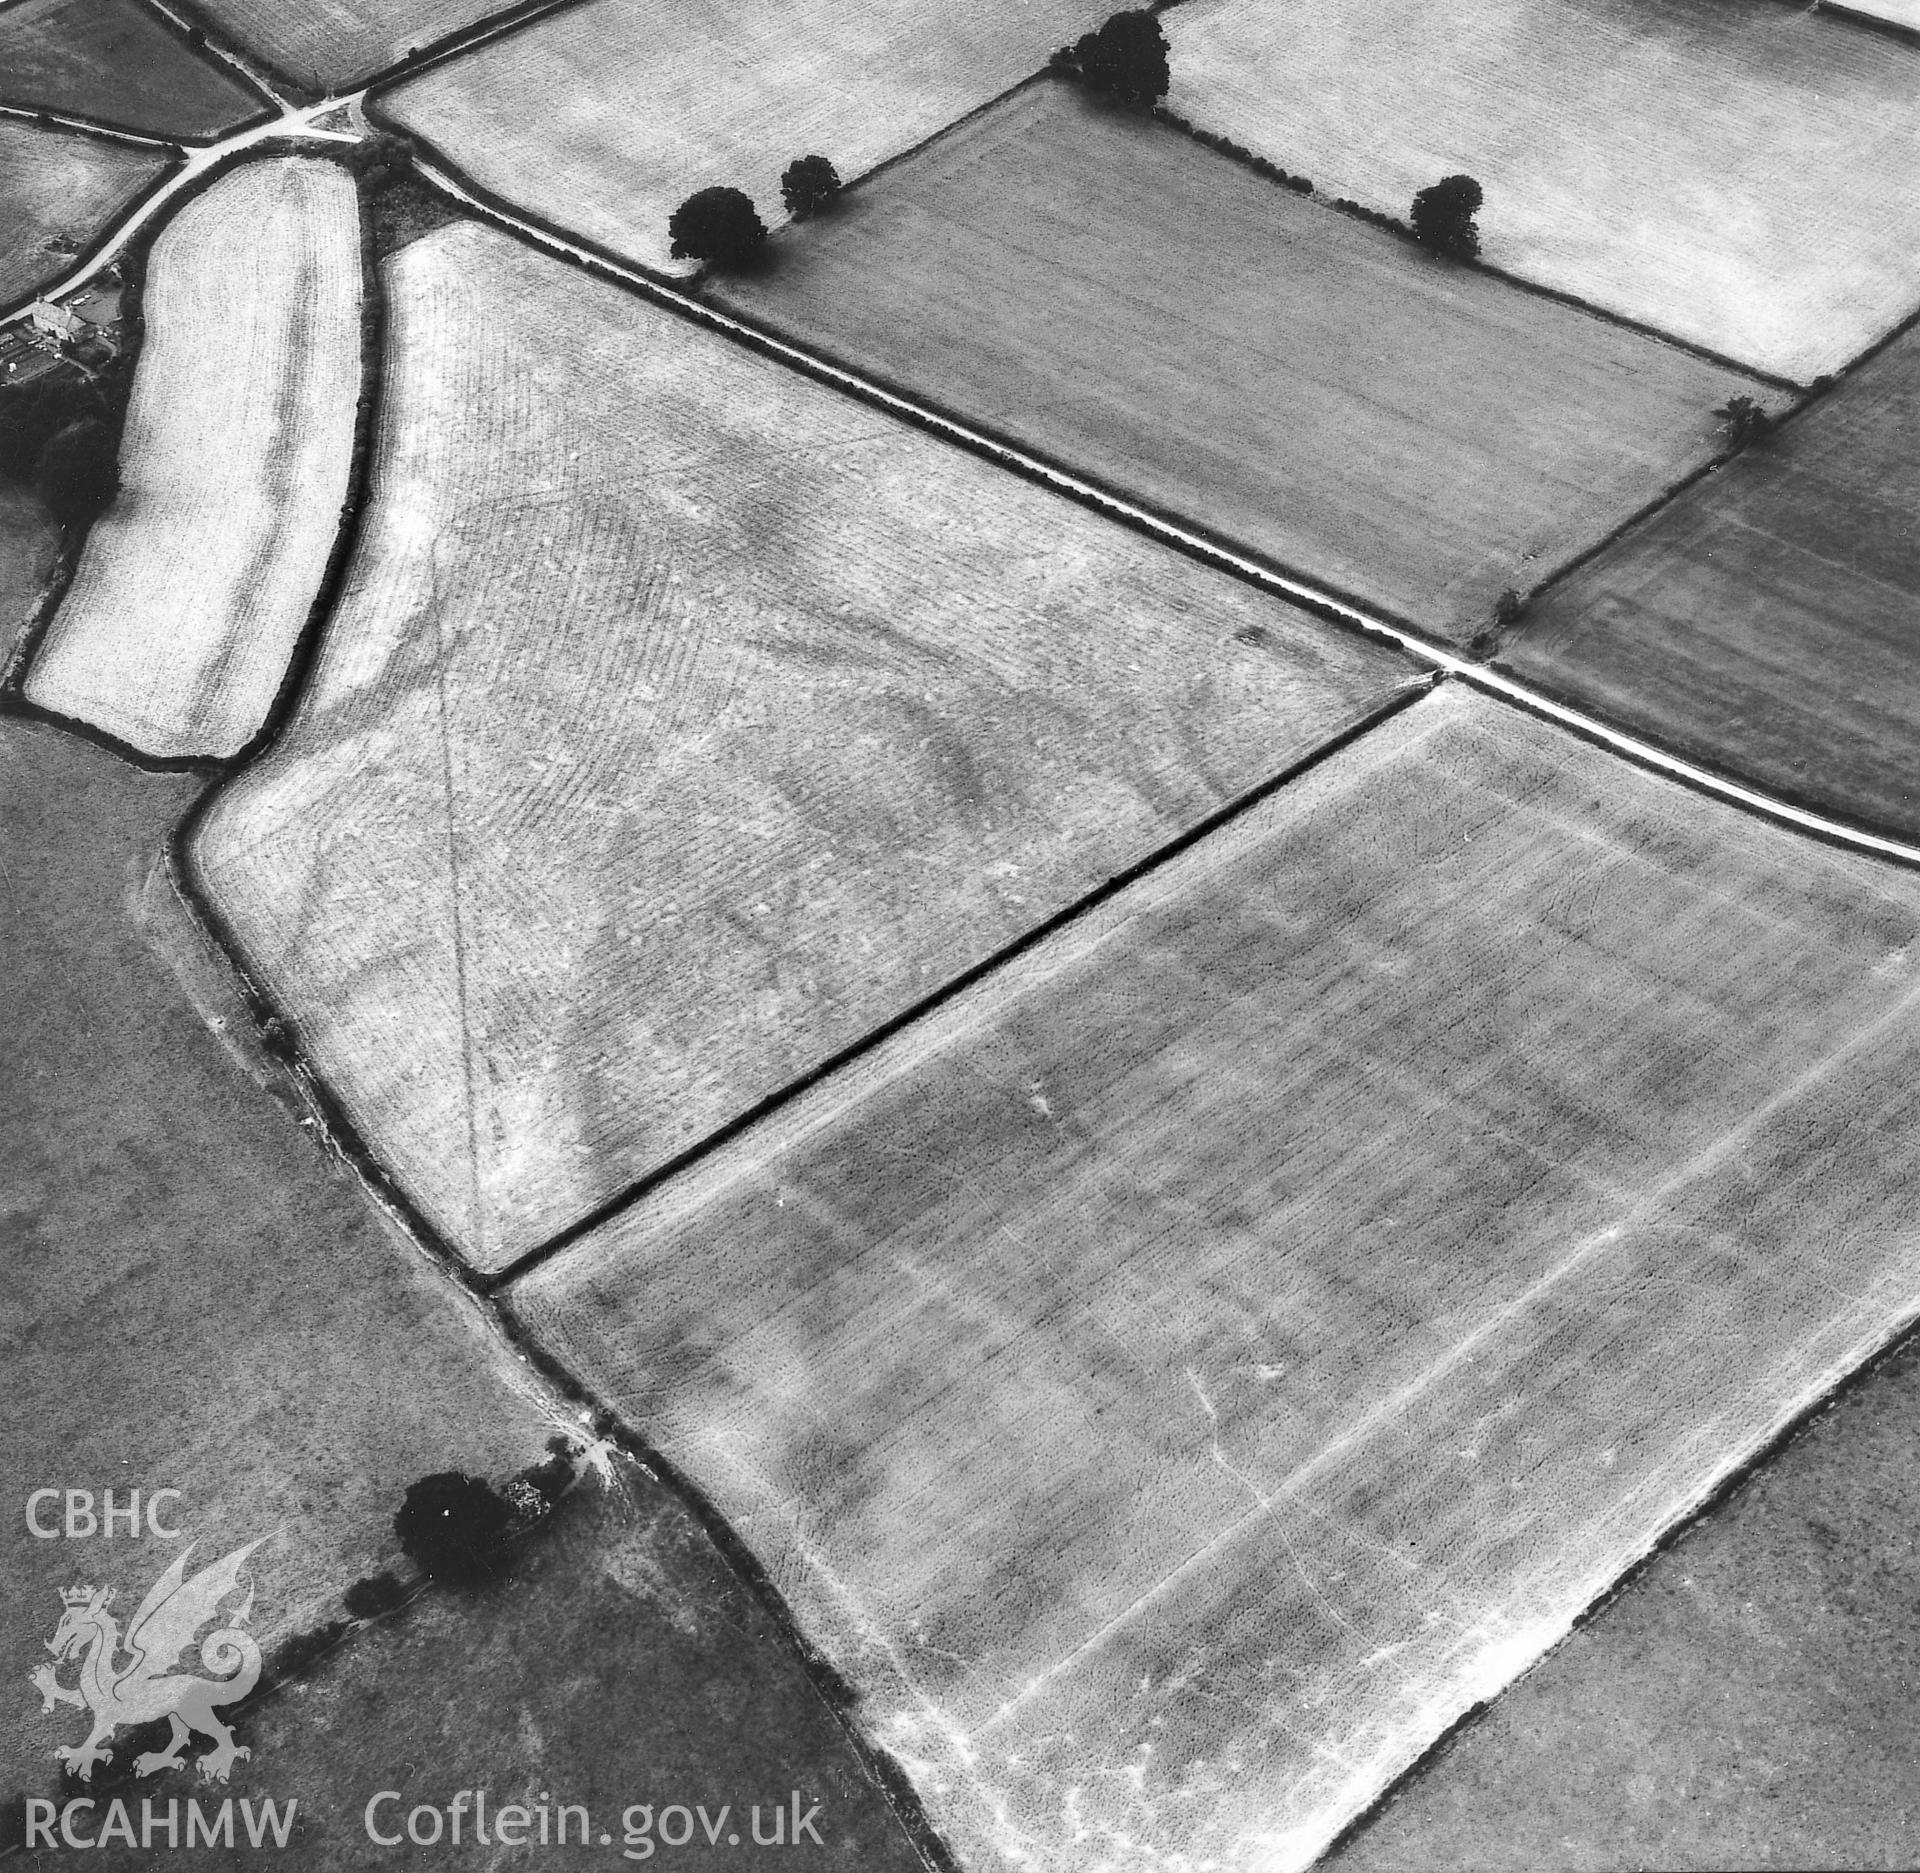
1443,217
79,471
721,225
382,160
1746,420
810,184
1126,58
455,1528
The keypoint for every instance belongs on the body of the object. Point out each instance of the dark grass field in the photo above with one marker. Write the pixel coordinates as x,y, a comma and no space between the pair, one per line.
1120,298
117,62
620,1665
29,542
1751,1699
195,1297
1767,623
57,187
1245,1332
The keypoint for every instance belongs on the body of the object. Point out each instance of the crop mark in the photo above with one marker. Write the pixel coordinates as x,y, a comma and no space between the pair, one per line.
1397,1402
1309,595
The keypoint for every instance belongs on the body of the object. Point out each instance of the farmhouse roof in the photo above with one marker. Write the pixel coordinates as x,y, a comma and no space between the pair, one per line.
56,321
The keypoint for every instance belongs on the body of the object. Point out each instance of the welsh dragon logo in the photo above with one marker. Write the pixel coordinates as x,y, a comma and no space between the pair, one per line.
145,1687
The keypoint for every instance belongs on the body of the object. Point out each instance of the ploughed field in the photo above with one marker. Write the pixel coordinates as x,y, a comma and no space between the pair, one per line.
194,586
1115,296
1746,177
342,44
1179,1376
56,187
1767,622
681,720
603,119
119,62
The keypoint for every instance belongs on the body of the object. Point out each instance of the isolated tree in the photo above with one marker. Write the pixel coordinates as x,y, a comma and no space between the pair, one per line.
1443,217
810,184
719,225
79,471
455,1527
1126,58
1745,419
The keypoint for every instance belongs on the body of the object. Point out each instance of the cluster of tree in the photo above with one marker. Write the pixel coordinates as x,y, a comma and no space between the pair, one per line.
722,227
1126,59
61,434
382,161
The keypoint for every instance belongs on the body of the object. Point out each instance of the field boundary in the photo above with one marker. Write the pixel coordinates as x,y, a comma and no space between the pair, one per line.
1867,22
1282,178
208,53
1809,399
464,39
1308,596
98,129
257,75
1900,1339
201,160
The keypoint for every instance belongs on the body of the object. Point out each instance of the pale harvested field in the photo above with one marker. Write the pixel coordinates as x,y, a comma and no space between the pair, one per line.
58,186
1898,12
605,118
683,719
1181,1376
1767,622
115,61
1746,177
335,45
196,583
1116,296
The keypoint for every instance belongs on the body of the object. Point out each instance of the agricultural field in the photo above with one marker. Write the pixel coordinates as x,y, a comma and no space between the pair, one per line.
1181,1375
193,588
29,541
1120,298
603,119
58,192
116,61
1895,12
623,1666
681,720
1744,177
1766,622
196,1298
339,46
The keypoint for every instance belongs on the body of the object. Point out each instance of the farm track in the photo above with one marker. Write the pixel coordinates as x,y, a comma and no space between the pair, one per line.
1329,605
1111,294
202,162
87,126
1188,539
296,122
